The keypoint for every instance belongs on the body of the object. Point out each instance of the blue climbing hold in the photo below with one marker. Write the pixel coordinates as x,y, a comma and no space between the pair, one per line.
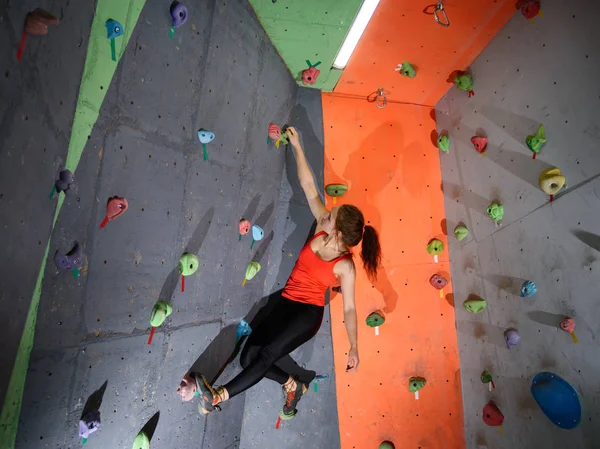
113,28
205,136
243,330
528,289
557,399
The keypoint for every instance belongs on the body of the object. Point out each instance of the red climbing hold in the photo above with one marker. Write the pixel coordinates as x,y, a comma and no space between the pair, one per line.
115,207
529,8
274,132
36,22
492,415
480,143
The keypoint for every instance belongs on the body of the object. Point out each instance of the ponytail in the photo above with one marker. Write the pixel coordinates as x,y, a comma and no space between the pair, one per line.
371,252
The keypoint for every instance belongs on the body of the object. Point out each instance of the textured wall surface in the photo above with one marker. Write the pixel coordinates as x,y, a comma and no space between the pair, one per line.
541,73
220,72
311,30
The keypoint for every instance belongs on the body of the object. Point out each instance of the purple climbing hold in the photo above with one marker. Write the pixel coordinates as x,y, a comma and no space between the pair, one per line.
512,337
72,259
89,423
178,14
64,181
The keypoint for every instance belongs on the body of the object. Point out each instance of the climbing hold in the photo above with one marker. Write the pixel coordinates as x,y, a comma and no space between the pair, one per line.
443,143
115,207
495,211
551,181
188,264
416,383
257,234
387,445
205,137
160,312
375,319
335,190
179,14
528,289
486,378
475,305
274,132
512,338
435,247
438,281
242,330
36,23
113,30
534,142
251,270
492,415
244,227
310,75
568,325
557,399
406,69
461,232
464,81
71,260
141,441
480,143
89,423
530,9
63,183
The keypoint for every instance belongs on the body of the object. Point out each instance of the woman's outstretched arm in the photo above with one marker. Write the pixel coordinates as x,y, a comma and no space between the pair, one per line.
346,272
307,181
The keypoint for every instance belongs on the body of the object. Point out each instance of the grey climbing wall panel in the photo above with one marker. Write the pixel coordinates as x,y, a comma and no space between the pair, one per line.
530,74
220,72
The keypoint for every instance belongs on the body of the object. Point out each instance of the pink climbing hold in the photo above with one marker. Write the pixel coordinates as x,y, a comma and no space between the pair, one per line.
480,143
274,132
310,75
568,324
244,226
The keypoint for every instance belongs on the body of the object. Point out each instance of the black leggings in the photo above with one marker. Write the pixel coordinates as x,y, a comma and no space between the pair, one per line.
287,327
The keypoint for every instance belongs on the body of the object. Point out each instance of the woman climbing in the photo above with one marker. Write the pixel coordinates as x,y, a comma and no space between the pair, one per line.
297,316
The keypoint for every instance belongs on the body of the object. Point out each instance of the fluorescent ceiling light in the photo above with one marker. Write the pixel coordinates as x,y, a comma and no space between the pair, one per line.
356,31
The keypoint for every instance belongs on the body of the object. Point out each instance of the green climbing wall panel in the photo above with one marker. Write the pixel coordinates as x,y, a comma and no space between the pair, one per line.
312,29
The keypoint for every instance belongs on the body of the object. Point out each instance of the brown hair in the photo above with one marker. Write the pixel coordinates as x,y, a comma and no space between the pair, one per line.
351,223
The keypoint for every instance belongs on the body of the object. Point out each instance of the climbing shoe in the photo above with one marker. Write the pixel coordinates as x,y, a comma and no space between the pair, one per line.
292,397
206,394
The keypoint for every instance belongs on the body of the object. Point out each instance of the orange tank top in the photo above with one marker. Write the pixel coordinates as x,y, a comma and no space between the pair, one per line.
311,276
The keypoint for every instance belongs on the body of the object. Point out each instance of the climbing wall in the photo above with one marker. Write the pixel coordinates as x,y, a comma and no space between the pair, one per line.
407,31
220,72
312,30
390,164
546,73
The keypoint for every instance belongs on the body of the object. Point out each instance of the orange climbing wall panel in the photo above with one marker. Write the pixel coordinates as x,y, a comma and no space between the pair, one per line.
388,160
405,30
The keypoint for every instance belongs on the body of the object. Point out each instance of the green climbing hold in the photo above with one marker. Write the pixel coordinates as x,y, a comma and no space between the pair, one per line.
435,247
408,70
475,305
486,377
416,383
461,232
188,264
376,319
252,269
387,445
536,141
443,142
160,312
334,190
495,211
464,81
141,441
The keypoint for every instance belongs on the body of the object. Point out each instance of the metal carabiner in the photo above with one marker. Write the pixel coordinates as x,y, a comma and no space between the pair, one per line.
440,8
382,95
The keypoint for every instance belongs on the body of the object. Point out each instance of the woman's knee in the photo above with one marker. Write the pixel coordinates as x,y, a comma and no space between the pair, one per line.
248,355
